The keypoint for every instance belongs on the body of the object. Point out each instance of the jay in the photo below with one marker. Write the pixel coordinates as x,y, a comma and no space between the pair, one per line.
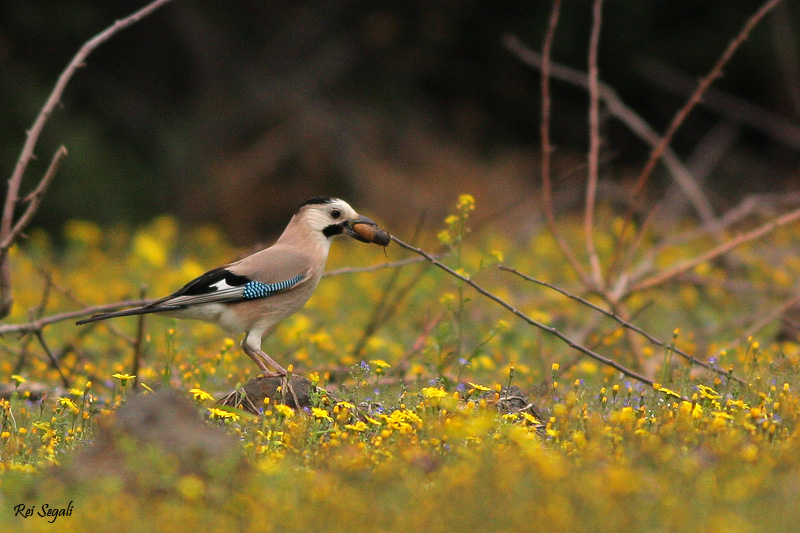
253,294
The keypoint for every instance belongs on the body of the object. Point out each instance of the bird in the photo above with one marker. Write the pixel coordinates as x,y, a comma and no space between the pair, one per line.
252,295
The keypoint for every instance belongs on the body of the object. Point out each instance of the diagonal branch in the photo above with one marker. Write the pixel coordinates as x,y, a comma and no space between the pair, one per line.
676,270
697,95
622,112
622,322
544,327
15,182
34,199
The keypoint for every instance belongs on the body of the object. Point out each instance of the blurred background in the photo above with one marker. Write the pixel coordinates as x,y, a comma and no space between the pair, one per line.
235,112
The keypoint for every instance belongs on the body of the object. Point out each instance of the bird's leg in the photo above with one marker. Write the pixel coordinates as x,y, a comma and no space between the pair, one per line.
261,359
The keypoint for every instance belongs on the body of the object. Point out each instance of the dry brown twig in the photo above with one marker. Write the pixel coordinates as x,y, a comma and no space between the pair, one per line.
624,323
544,327
625,114
10,231
593,154
547,148
697,95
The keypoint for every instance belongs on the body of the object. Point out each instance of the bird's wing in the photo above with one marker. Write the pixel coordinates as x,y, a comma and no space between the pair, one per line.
268,272
276,264
224,284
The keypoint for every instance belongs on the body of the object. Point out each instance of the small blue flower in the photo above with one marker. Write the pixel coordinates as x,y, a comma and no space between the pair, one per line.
464,362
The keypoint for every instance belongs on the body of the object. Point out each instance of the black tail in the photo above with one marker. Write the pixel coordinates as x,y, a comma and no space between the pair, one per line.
126,312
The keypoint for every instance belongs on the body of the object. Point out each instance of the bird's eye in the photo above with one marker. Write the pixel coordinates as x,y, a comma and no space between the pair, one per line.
336,214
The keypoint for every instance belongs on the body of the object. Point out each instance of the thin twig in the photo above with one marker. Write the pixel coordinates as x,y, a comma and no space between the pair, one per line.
697,95
38,325
593,154
15,182
624,323
53,360
549,329
138,343
759,232
547,148
380,266
622,112
34,199
758,326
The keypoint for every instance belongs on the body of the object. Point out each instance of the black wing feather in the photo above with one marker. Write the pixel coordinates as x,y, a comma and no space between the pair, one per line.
204,284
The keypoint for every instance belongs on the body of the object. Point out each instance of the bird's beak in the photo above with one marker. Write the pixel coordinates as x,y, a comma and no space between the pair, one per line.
366,230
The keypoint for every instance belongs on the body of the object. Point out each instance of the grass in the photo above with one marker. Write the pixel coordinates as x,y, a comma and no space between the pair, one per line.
432,451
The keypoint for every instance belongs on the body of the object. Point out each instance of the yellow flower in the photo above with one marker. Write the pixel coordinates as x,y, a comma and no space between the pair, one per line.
433,392
380,363
286,411
321,414
123,378
150,249
222,414
66,402
200,395
668,392
466,202
708,392
530,418
19,380
478,387
358,426
191,487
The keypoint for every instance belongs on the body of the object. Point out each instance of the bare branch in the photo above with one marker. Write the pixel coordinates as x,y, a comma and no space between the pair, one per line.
547,148
34,199
593,155
53,360
621,321
38,325
757,233
549,329
702,87
14,183
619,110
380,266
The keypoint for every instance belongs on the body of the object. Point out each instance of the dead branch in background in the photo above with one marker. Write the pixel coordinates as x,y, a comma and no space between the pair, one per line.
593,154
624,323
732,108
630,118
544,327
547,148
680,268
697,95
8,233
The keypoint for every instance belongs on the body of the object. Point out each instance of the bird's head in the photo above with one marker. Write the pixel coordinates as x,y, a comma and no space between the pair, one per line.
332,216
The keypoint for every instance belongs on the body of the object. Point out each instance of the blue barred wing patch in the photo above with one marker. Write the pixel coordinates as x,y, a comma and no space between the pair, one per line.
256,289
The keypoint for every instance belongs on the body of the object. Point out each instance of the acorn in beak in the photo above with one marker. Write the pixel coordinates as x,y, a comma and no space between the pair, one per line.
366,230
